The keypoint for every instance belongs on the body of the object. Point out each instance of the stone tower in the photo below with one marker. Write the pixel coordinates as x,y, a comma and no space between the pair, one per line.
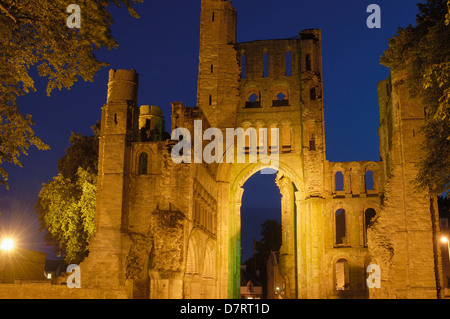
404,238
217,92
119,126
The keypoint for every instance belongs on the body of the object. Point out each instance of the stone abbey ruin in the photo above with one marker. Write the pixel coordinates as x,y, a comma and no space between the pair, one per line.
166,230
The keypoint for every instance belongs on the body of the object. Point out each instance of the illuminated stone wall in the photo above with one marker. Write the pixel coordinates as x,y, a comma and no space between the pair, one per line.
404,236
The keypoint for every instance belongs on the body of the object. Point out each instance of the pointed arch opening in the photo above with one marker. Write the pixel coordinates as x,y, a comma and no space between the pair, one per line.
286,192
143,164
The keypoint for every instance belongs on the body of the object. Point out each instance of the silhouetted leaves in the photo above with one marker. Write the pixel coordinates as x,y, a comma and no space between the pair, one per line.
34,34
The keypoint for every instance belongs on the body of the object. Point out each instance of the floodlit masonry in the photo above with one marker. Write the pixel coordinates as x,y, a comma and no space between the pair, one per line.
251,146
167,230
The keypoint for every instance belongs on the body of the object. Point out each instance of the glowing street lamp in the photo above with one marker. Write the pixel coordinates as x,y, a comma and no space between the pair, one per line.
445,240
7,244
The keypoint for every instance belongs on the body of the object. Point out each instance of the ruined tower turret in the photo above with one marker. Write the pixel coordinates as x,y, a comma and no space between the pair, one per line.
118,127
218,76
119,116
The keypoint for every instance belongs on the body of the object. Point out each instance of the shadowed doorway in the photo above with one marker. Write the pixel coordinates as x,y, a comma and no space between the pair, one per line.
260,234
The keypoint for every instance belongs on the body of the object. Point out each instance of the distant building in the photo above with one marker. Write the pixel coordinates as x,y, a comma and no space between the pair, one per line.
21,265
54,268
275,283
251,288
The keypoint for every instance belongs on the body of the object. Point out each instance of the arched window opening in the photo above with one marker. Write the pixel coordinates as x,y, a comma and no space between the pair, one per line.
340,227
143,164
288,63
368,180
369,215
339,182
308,62
281,96
253,98
342,275
253,101
282,100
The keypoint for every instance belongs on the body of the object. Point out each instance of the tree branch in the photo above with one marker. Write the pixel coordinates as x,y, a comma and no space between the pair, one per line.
8,13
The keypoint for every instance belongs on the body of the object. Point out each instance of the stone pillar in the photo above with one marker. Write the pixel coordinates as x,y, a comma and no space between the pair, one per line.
300,244
223,252
287,263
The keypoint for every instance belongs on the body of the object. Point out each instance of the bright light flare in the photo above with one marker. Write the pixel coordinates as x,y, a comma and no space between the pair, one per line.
7,244
444,240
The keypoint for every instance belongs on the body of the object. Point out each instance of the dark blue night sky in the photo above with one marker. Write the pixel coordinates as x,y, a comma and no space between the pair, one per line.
163,47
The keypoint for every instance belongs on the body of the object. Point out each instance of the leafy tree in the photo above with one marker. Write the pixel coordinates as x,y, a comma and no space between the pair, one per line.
82,152
271,238
424,52
69,213
270,241
66,205
16,136
34,35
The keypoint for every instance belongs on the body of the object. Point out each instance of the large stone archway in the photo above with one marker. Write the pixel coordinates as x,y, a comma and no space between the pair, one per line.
287,181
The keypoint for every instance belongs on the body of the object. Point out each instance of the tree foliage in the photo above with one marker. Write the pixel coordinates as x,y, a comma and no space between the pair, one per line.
34,36
270,238
270,241
66,205
68,213
82,152
424,52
